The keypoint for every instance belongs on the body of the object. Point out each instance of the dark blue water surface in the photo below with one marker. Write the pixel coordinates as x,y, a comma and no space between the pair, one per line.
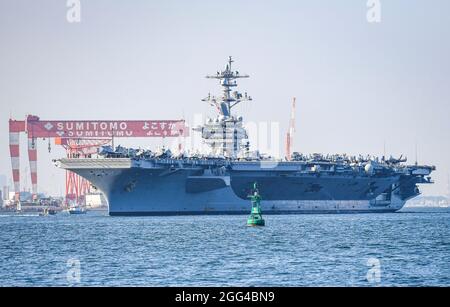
407,248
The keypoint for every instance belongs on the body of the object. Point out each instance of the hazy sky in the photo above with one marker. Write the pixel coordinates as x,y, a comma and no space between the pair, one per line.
358,84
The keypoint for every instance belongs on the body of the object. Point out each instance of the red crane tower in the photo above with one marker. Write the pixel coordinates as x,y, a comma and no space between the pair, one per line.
76,186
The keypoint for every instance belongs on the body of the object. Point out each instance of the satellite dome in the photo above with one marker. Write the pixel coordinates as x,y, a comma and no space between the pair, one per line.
316,168
369,168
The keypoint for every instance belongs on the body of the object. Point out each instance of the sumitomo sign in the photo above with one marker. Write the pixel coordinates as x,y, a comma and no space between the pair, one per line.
95,129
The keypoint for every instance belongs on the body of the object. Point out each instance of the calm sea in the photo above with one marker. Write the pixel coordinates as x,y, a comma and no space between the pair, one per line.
407,248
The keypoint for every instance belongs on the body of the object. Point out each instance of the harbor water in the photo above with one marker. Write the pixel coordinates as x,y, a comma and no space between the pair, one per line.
410,248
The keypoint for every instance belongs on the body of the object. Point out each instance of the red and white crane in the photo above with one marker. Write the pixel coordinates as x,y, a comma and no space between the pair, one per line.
290,133
80,136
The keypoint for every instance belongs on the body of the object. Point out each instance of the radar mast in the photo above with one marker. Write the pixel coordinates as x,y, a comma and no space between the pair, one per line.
229,99
225,133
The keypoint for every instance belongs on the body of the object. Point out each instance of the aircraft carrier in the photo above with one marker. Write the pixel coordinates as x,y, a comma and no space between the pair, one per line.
144,182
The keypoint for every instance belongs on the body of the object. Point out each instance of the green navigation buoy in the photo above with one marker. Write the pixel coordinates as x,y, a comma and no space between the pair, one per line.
255,218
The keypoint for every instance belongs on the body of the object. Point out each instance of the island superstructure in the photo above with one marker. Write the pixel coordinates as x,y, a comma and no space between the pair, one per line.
225,133
144,182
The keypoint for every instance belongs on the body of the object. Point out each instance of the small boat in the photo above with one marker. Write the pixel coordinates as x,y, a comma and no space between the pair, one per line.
52,211
77,210
44,212
47,211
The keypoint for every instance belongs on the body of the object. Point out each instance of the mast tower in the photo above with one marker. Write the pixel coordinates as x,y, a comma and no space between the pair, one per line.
225,133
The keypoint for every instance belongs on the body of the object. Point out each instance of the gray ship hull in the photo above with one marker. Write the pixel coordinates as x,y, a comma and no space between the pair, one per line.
146,189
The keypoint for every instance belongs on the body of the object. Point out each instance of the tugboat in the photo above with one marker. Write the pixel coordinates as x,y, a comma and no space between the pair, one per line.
47,211
255,218
52,211
76,210
44,212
